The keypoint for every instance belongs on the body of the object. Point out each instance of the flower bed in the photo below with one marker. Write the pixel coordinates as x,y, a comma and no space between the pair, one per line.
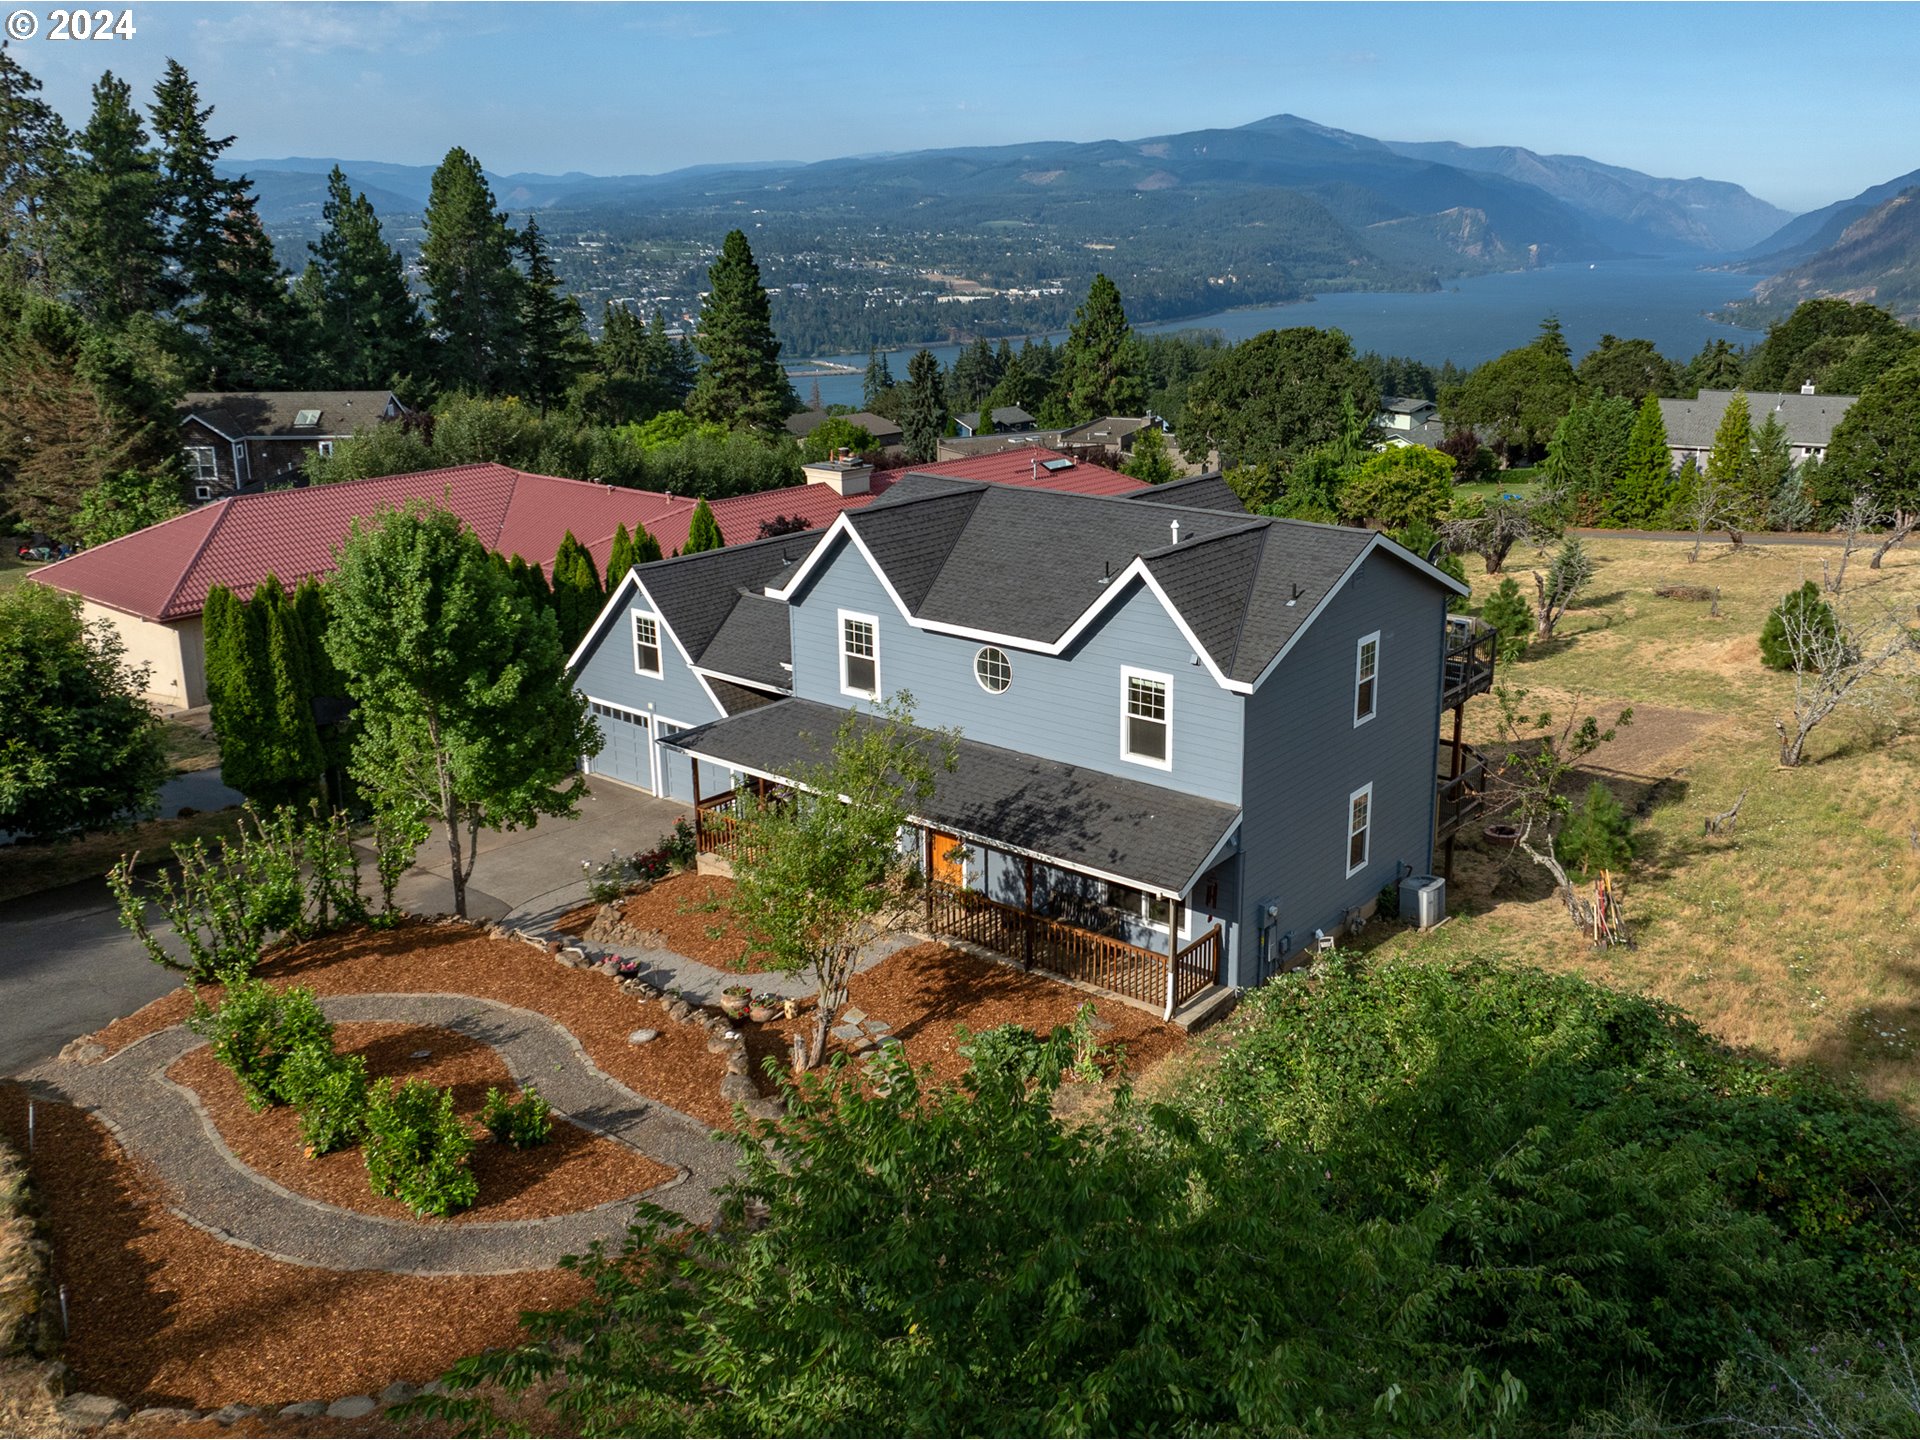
574,1170
690,913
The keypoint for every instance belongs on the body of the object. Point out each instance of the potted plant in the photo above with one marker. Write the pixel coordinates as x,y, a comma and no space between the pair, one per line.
734,1000
763,1007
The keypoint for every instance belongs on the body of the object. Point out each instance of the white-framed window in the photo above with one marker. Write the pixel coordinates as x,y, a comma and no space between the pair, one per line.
646,644
206,471
203,492
1359,828
326,447
1155,910
1146,717
993,670
1366,678
859,655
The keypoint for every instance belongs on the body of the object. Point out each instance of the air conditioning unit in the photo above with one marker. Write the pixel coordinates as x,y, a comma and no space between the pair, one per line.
1423,900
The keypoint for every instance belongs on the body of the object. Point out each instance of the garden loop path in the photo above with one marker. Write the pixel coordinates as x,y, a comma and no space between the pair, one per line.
164,1124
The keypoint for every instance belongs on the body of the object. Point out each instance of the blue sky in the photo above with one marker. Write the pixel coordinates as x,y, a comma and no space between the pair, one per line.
1801,103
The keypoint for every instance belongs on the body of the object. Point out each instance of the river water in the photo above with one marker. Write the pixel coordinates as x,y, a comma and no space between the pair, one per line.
1665,301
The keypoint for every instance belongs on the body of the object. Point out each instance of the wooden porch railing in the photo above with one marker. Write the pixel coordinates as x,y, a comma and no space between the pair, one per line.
1468,671
1462,796
717,822
1076,954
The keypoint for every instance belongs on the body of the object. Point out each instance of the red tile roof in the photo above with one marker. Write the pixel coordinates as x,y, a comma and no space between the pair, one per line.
1025,465
165,571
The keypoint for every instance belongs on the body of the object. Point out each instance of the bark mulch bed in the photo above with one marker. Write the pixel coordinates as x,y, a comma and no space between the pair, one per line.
574,1170
422,957
692,912
164,1314
927,990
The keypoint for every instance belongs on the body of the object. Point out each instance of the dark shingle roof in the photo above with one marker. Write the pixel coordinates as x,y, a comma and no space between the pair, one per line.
737,699
1197,492
238,414
1147,834
1028,564
753,643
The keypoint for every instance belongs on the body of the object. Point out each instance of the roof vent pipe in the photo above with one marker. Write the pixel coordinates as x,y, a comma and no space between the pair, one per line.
1176,532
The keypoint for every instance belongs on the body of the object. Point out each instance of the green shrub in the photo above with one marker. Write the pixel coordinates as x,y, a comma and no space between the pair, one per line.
1508,612
330,1093
255,1029
1814,626
522,1123
1598,835
417,1149
681,847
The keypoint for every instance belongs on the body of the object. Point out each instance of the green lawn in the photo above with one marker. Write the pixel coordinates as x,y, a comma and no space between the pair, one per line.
1508,482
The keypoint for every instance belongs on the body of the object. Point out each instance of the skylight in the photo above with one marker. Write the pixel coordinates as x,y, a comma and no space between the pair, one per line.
1056,465
305,418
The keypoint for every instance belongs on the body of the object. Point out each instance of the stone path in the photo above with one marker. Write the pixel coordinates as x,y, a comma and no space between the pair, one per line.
164,1124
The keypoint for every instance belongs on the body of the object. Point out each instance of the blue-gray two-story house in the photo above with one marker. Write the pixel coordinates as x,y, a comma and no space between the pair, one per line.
1193,740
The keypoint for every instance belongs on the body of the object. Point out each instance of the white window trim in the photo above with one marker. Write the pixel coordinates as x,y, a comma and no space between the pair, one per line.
976,669
1366,850
325,447
840,647
203,492
638,616
1127,673
1360,649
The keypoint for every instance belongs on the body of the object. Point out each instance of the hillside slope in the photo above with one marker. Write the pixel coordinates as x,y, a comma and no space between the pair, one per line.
1876,258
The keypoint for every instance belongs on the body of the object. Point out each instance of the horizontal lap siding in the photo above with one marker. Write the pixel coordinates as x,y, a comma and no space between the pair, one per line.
606,673
1065,708
1305,757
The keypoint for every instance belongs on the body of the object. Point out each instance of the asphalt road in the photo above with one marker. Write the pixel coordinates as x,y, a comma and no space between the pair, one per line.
67,967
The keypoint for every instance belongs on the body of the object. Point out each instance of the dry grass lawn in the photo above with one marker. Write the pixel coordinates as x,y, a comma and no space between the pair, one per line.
1796,935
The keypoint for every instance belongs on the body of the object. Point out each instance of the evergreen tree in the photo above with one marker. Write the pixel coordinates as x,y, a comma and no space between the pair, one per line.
473,286
367,328
112,249
646,548
877,381
1772,469
1103,363
1647,475
1586,458
1150,461
1716,367
193,199
983,422
296,757
553,332
1552,340
324,681
923,413
33,172
577,596
741,384
703,531
1730,464
531,582
620,557
1800,624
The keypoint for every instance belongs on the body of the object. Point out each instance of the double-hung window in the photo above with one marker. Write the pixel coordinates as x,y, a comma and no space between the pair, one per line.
1146,718
646,644
859,655
1359,828
205,470
1366,678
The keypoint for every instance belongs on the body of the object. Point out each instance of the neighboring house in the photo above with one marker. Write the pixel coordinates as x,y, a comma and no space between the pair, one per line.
241,440
1808,417
886,433
1193,740
1405,421
1007,420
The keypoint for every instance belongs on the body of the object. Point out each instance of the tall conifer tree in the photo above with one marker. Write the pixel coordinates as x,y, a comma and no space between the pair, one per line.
577,596
741,384
474,288
113,251
878,380
367,327
1730,463
33,170
1647,476
620,557
553,335
923,412
1103,364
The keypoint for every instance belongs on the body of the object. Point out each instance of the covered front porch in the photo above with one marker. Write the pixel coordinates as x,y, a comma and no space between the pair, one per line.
1101,881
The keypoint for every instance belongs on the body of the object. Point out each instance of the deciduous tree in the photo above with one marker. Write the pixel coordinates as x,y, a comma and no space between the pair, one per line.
817,871
464,702
1272,398
1516,399
79,748
1405,485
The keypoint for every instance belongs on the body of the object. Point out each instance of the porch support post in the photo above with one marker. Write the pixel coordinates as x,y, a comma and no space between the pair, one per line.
1173,950
696,783
1027,936
926,848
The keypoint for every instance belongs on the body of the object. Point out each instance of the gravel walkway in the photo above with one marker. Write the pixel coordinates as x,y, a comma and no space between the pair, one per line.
164,1124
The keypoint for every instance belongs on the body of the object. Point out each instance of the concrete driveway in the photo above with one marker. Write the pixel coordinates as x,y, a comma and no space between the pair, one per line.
67,967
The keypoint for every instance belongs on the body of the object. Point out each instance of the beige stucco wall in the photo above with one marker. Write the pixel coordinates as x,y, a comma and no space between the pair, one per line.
175,650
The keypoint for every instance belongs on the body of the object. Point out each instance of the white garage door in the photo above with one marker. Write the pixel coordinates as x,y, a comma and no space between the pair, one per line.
627,755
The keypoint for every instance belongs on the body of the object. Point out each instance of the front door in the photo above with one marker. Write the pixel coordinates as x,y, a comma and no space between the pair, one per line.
949,860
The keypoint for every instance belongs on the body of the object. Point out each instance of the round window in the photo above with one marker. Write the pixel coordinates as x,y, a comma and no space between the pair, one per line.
993,670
